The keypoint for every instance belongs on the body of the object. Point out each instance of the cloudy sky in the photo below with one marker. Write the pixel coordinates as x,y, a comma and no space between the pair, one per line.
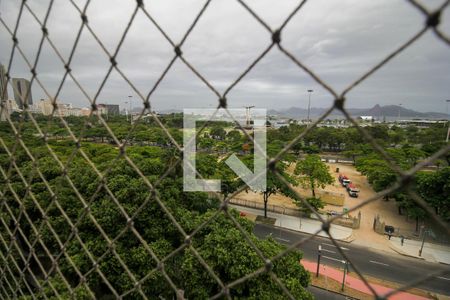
338,39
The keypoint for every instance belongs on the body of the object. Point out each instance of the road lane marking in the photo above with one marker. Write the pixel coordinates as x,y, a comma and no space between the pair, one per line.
332,258
378,263
326,250
443,278
281,239
343,248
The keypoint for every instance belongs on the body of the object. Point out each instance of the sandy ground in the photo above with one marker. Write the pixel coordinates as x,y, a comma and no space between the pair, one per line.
387,210
280,200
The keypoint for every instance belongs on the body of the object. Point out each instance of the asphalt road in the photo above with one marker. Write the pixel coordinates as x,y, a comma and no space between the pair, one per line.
391,267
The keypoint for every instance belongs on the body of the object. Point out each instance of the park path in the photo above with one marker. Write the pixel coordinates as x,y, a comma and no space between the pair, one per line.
356,283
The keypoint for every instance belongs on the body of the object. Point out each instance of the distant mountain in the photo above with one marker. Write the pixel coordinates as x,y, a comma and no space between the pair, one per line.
390,111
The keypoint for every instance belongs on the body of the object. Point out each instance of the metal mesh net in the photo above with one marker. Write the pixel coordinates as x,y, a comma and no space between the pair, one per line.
22,240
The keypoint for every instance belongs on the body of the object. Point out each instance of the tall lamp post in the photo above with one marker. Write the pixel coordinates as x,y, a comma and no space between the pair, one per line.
448,121
399,110
126,110
309,103
424,232
131,107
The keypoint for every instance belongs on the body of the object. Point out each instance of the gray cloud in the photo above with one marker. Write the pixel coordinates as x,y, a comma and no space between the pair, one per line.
338,40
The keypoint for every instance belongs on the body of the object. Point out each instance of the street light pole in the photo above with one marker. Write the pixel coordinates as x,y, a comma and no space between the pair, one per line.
131,107
448,121
345,272
399,109
319,252
309,103
126,110
424,232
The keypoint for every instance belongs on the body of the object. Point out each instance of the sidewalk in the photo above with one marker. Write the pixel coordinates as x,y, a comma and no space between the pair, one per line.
300,224
356,283
430,252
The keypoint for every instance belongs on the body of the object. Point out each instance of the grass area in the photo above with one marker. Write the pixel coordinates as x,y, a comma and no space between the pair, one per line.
332,285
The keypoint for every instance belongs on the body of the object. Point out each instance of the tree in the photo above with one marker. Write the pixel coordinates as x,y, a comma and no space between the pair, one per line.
355,151
275,185
377,170
412,209
313,173
234,136
218,133
229,181
231,257
434,187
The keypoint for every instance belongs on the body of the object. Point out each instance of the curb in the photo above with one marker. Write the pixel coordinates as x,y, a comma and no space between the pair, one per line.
405,254
346,240
349,239
416,256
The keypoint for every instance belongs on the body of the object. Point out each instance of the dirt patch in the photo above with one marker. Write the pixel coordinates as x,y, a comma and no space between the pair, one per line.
387,210
332,285
270,221
276,199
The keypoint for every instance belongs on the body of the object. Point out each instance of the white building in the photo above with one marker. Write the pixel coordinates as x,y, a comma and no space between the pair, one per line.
46,106
85,111
102,109
9,106
62,109
366,118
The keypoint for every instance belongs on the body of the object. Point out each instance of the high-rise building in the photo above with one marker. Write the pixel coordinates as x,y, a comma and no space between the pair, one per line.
102,109
113,109
3,83
22,92
4,109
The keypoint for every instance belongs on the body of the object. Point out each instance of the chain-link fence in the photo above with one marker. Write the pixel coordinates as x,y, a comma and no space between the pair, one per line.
28,260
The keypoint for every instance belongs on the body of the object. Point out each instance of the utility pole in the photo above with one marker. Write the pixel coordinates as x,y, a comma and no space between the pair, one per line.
399,110
309,103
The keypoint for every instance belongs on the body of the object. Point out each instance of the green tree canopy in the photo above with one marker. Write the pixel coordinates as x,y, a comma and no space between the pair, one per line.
313,173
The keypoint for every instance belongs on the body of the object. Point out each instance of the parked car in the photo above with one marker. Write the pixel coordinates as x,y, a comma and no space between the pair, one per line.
352,190
344,180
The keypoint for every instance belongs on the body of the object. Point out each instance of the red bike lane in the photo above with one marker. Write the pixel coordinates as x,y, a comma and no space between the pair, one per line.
357,283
